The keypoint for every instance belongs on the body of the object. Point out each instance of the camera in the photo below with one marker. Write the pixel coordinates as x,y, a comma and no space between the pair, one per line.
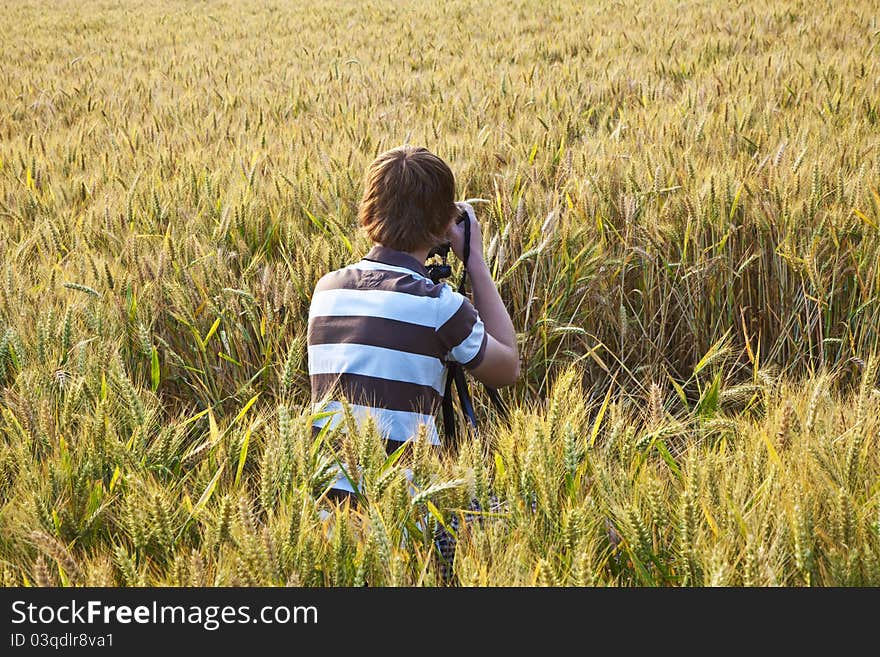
437,271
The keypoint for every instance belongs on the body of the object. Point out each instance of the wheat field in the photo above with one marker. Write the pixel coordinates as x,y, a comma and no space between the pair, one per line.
683,216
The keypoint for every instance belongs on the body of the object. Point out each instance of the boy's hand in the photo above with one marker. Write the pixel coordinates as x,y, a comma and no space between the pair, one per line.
455,235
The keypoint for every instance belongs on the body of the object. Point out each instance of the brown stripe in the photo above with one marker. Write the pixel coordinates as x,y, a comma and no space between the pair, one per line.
478,357
388,256
376,392
375,332
391,446
374,279
340,496
457,327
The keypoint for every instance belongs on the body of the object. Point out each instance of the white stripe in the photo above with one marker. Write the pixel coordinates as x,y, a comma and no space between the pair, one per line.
383,304
450,302
368,360
469,347
392,425
342,482
369,265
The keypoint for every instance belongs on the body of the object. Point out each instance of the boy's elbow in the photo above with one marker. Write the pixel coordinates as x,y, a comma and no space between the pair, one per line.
500,368
512,375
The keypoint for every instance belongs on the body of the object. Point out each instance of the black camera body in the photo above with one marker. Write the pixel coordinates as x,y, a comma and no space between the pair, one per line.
438,271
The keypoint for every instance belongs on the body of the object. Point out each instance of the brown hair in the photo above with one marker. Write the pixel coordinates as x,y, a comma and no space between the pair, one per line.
409,198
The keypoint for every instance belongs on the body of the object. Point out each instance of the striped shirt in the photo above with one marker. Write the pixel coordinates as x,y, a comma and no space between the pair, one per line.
380,333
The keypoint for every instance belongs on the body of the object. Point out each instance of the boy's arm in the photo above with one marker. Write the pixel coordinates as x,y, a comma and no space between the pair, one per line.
500,364
488,303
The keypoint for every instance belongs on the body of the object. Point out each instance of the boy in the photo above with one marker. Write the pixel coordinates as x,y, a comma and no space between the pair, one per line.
380,330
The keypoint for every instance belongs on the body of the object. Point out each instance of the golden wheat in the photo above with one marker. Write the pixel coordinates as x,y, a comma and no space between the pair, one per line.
683,217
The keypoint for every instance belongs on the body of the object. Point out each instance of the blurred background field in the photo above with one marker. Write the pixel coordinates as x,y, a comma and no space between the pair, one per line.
683,217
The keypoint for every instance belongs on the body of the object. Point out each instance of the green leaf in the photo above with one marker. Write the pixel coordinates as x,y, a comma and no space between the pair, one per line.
771,450
678,390
131,298
195,417
317,222
209,490
65,581
242,455
228,358
393,457
211,332
358,493
213,430
117,473
597,424
154,369
667,456
715,350
434,511
708,404
533,153
14,357
245,409
206,495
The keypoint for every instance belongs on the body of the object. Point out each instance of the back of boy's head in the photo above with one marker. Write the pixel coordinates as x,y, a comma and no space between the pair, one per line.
409,199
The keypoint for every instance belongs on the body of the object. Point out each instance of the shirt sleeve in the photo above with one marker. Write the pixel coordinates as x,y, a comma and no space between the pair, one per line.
460,330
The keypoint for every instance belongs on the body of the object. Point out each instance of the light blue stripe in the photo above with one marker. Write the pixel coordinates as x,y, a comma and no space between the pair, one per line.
384,304
342,482
450,301
469,347
392,425
368,360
